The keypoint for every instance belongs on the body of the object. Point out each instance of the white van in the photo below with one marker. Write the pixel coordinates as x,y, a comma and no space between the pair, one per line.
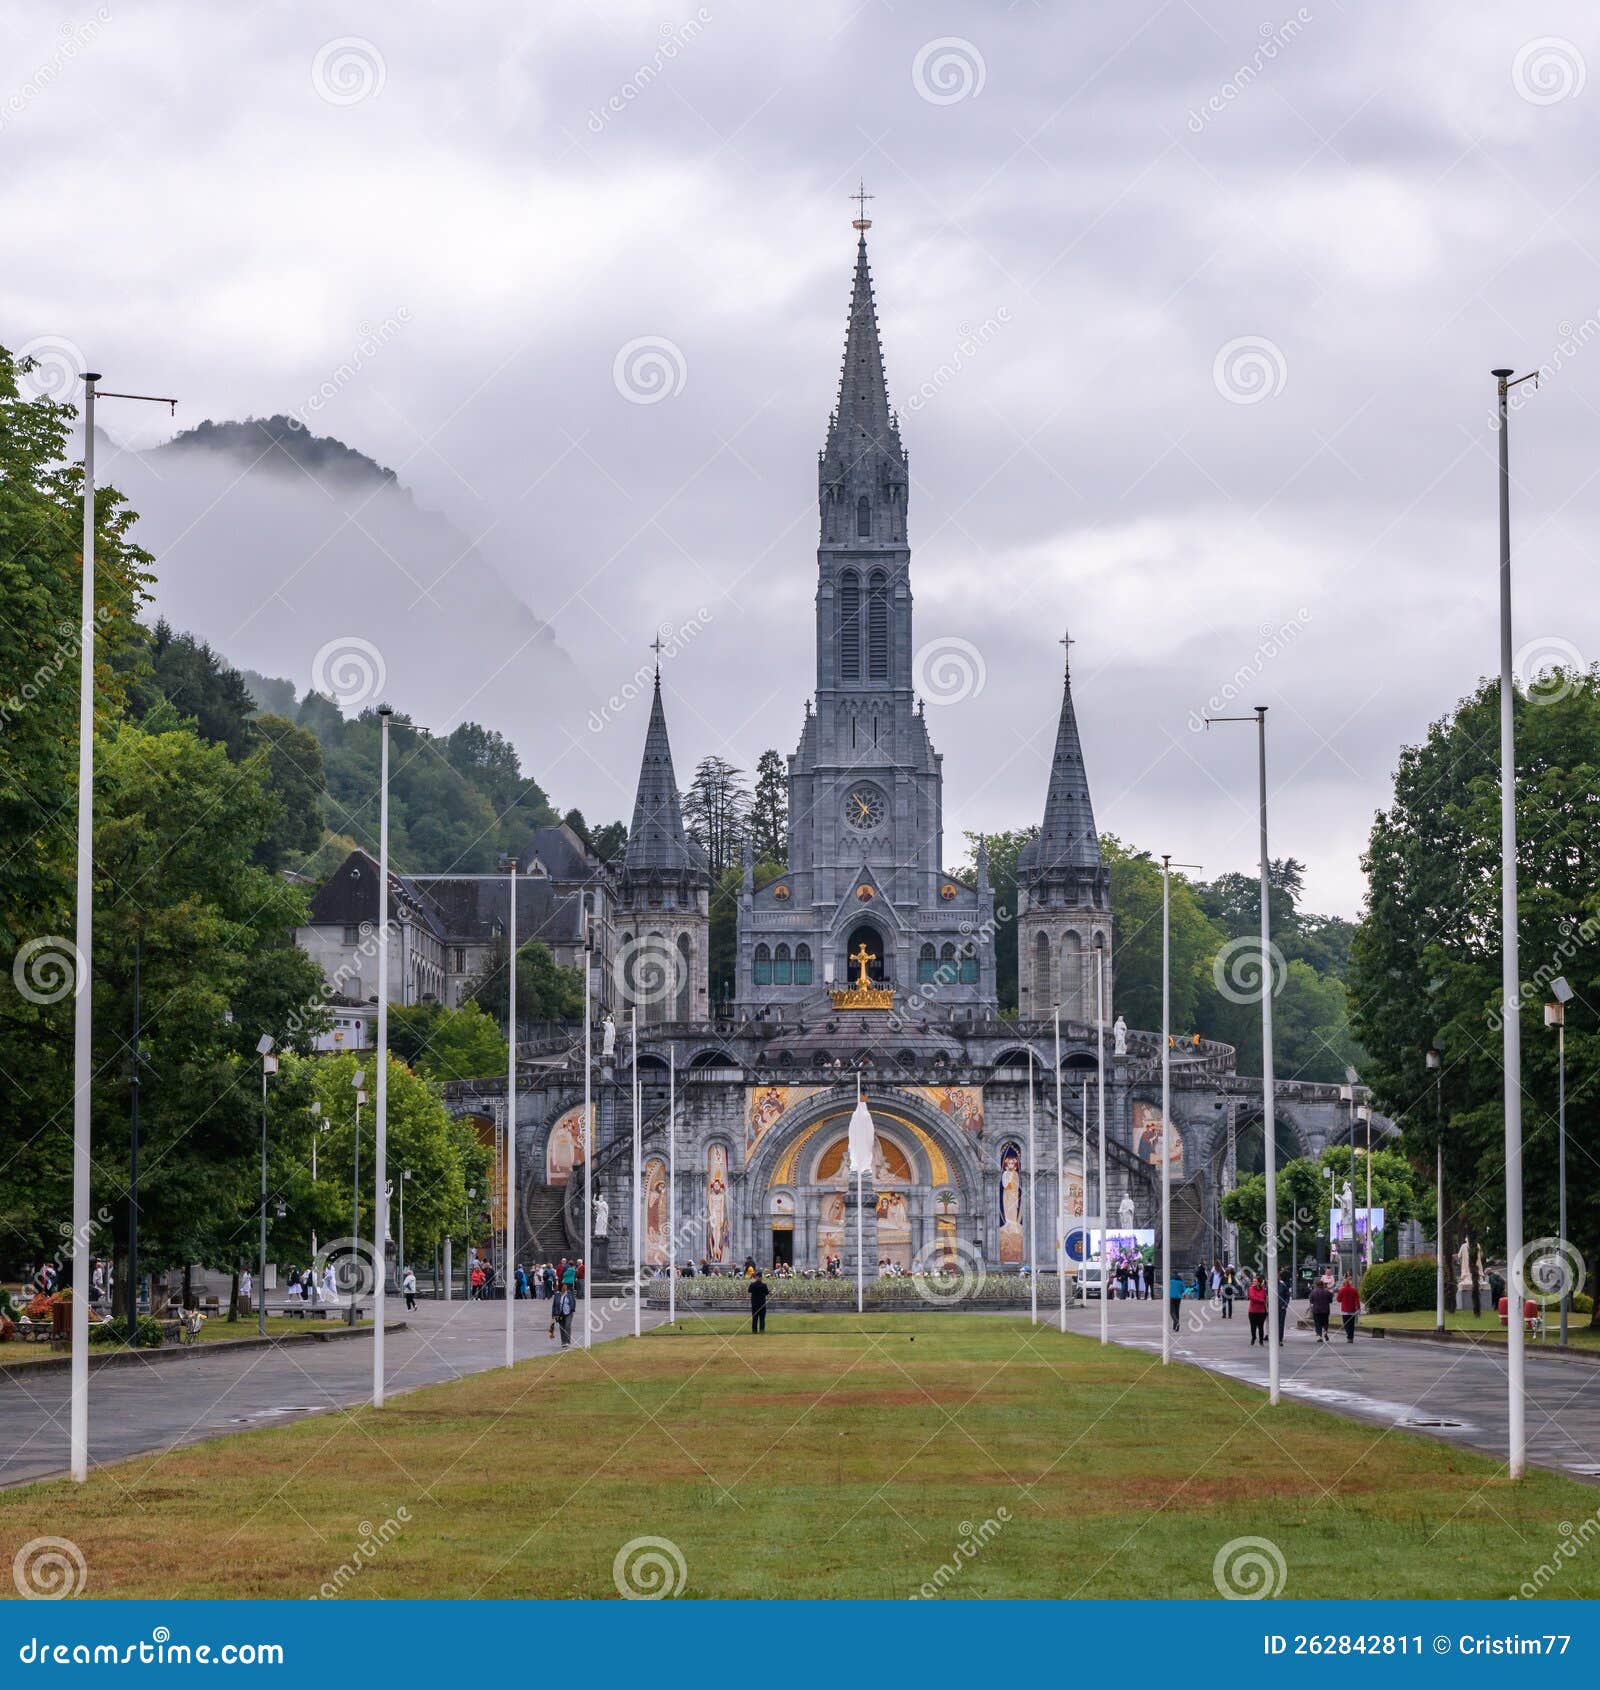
1091,1280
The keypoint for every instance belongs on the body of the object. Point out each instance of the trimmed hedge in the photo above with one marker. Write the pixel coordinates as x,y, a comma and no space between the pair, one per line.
147,1335
1398,1286
1010,1289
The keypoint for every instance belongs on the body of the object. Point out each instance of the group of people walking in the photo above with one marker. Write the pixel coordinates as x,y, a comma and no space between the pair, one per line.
1226,1284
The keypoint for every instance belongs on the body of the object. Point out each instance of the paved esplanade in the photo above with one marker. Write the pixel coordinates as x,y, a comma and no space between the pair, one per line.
1443,1390
134,1410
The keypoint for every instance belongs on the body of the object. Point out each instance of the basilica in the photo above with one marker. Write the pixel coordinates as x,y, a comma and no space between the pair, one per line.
868,962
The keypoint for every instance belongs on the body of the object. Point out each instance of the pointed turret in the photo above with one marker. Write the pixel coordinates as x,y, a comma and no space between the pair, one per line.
656,841
1064,888
1068,839
862,424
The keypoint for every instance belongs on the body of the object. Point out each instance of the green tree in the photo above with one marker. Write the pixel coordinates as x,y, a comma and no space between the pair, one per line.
610,842
1425,964
1136,936
1003,850
168,668
295,779
545,990
447,1044
769,809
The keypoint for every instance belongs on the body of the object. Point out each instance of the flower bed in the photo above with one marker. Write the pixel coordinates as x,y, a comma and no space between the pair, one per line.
949,1290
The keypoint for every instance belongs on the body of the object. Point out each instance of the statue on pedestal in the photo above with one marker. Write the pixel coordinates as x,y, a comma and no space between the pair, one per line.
1119,1035
1126,1211
608,1038
602,1216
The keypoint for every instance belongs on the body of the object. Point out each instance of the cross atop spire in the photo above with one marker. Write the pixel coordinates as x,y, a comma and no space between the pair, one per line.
1068,643
861,196
657,647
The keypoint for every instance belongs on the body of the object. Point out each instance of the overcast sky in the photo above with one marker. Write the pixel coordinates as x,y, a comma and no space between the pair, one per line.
1188,311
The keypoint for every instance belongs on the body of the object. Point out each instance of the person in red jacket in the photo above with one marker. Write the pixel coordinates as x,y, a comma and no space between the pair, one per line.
1257,1309
1349,1307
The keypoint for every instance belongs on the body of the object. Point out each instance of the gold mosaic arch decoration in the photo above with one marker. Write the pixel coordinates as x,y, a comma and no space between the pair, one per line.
938,1165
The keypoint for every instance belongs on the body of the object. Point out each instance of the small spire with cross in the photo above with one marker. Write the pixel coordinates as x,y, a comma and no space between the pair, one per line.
861,196
1067,642
657,648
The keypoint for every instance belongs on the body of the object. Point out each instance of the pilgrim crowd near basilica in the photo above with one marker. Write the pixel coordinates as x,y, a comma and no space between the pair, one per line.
867,962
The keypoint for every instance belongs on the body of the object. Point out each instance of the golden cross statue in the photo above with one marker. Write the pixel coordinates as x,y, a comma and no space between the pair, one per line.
861,196
863,956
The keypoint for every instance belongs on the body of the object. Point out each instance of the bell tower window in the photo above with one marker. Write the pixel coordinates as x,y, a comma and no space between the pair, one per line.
863,518
850,626
878,627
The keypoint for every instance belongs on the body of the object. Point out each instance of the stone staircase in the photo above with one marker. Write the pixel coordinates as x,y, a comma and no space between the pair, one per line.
543,1225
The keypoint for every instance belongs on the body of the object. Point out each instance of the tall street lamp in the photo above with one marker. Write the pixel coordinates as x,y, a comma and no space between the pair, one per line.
405,1174
1061,1187
1100,1062
1269,1120
357,1081
1510,961
380,1173
83,944
269,1065
1555,1015
1436,1068
511,1115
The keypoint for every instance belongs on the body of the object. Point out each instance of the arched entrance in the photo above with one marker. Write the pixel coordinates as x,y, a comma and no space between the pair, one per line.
926,1182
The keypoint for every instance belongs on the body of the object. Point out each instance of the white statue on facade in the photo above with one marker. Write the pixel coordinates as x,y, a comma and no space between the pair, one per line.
1119,1033
1347,1207
608,1037
602,1215
1125,1210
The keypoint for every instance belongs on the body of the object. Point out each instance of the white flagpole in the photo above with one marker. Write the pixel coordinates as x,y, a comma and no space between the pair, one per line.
1166,1108
511,1130
1061,1188
1105,1213
1033,1205
1083,1178
380,1170
672,1184
82,1007
637,1147
588,1148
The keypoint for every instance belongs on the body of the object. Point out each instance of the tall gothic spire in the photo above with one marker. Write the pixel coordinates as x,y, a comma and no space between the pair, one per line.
1068,839
862,424
657,840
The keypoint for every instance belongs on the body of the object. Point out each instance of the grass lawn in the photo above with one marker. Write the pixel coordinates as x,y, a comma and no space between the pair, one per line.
834,1457
20,1354
1580,1334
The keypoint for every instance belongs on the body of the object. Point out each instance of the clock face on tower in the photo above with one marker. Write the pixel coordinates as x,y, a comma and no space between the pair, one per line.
865,807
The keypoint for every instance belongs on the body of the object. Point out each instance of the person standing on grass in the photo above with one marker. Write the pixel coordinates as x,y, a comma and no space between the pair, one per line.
1256,1307
561,1312
1349,1307
409,1286
1321,1300
1175,1298
758,1303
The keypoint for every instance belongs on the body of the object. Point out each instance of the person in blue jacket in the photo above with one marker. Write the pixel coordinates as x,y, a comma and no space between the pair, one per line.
1175,1290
